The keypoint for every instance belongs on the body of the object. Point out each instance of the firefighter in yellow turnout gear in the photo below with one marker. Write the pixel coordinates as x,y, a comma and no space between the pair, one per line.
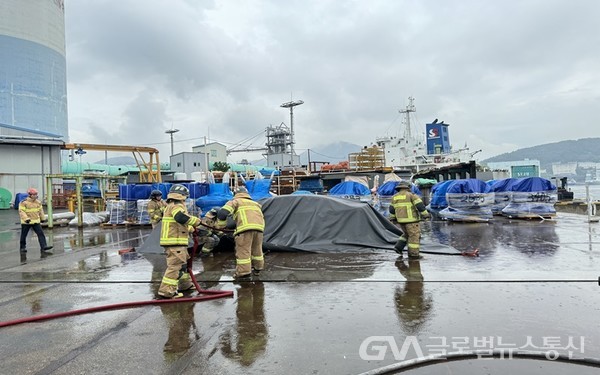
405,210
156,207
174,235
209,237
32,214
250,225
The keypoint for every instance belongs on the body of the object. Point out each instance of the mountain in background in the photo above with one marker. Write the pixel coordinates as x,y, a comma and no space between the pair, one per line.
580,150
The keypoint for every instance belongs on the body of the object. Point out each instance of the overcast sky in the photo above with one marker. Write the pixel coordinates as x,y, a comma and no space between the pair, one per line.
504,74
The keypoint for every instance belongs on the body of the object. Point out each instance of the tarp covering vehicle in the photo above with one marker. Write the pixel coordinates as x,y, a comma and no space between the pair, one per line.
325,224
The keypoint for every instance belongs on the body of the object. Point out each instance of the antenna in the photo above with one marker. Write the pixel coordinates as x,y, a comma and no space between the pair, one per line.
409,108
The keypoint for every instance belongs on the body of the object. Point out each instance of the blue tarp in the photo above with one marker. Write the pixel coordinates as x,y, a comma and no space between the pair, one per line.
503,185
502,194
530,184
438,194
349,188
218,195
389,189
259,189
470,185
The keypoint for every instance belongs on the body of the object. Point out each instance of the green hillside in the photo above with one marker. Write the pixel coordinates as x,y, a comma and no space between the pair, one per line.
580,150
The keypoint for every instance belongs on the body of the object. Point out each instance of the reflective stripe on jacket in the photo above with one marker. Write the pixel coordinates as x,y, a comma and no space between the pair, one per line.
246,213
31,209
404,203
173,233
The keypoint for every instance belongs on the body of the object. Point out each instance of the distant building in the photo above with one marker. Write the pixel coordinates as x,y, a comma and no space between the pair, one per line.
215,151
564,169
188,162
27,157
518,169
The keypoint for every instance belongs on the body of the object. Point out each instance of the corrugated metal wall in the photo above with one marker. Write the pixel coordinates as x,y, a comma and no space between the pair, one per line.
33,85
24,166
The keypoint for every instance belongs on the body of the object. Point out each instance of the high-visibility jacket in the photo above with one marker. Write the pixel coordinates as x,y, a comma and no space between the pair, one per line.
31,209
405,207
175,224
246,213
155,210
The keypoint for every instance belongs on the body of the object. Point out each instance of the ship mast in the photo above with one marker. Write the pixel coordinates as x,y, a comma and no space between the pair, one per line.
409,108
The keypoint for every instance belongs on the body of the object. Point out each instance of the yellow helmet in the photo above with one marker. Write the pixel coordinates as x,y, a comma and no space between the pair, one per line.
178,192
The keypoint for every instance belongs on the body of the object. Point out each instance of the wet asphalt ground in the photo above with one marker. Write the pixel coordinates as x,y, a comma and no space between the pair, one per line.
534,287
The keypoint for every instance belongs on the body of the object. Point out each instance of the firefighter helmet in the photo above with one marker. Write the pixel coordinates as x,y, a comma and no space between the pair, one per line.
155,194
403,185
212,213
178,192
32,191
241,189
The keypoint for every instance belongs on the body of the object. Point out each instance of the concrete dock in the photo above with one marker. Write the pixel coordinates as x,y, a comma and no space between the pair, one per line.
534,287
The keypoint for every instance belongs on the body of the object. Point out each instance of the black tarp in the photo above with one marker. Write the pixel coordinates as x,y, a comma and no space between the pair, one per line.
325,224
319,224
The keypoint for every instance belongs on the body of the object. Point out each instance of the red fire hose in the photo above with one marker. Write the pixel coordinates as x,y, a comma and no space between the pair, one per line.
207,295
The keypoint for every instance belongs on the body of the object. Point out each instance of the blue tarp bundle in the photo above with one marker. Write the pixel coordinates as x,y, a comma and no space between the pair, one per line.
259,189
218,195
468,200
502,193
133,192
438,195
532,197
349,188
389,189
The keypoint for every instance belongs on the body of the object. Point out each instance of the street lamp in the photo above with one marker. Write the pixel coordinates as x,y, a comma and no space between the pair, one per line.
291,106
171,132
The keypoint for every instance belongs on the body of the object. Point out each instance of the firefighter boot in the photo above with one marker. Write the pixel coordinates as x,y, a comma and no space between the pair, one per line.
399,246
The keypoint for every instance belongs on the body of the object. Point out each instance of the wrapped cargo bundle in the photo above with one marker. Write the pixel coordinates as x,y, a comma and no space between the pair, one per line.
468,200
502,194
532,197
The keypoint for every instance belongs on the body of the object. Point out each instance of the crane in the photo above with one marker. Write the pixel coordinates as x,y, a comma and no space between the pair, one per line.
149,170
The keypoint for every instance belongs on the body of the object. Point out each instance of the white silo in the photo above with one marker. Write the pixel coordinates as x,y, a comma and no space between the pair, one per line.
33,84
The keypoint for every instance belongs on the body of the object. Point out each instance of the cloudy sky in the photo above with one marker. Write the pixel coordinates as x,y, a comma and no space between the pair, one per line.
504,74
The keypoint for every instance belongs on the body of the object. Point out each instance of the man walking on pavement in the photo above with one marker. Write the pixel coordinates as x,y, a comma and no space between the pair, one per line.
250,225
405,210
174,236
31,213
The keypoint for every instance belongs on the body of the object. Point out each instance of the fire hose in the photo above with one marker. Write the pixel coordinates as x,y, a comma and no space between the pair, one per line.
203,295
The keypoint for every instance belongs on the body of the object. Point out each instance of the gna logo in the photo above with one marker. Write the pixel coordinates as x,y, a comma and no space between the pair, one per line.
433,133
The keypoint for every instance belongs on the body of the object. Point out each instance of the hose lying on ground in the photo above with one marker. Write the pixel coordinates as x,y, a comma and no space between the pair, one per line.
208,295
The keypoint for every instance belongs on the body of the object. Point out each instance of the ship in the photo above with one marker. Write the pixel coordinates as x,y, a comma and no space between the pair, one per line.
416,151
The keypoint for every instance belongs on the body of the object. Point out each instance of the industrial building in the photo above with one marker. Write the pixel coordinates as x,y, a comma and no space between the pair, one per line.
33,92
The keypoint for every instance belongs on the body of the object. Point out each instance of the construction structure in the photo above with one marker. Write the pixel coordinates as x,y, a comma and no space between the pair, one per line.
149,166
369,158
279,146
